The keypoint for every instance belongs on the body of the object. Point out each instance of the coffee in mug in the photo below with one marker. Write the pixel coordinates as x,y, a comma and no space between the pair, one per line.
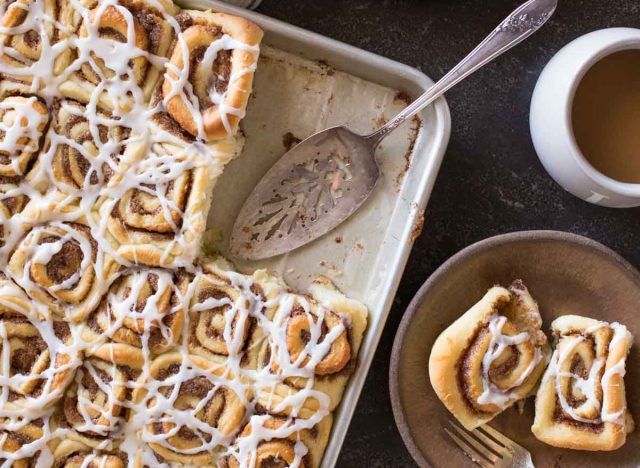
606,115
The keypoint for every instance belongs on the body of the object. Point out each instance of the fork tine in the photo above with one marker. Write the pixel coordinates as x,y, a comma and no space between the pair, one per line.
498,447
466,435
469,451
499,436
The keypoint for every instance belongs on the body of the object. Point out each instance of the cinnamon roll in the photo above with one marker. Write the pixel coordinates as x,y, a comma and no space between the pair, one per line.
581,401
93,405
31,31
23,121
491,357
124,40
13,199
268,441
226,312
191,409
22,442
60,265
210,73
311,339
82,150
142,311
74,454
161,215
39,353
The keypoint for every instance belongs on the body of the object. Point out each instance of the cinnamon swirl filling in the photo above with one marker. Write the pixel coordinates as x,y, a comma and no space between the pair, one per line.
269,441
314,341
23,120
143,309
498,360
73,454
21,442
87,148
38,355
32,30
60,265
303,329
581,401
120,48
113,25
221,51
162,207
194,412
222,318
491,357
93,405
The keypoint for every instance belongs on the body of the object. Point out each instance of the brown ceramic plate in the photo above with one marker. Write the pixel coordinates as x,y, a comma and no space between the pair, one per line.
566,274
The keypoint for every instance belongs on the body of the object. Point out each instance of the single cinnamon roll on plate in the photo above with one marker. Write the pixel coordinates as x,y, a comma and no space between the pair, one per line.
312,346
221,56
581,402
491,357
61,265
268,441
188,411
39,352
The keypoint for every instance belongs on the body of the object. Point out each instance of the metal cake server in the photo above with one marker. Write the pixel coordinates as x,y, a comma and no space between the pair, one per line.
324,179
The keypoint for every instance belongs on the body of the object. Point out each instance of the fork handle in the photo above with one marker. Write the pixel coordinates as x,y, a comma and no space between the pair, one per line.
519,25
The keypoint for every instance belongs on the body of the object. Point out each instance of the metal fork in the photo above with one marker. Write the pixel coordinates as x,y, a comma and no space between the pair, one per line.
489,448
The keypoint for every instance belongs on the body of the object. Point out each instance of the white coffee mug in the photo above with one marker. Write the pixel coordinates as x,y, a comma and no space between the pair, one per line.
550,119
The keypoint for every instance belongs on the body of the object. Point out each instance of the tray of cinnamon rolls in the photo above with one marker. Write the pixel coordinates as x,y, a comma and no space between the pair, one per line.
130,133
549,361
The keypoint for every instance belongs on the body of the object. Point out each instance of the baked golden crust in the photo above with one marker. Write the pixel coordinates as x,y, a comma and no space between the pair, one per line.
591,414
160,211
278,443
38,350
474,377
143,311
142,24
227,75
26,59
225,315
21,444
325,317
196,408
93,406
71,277
75,454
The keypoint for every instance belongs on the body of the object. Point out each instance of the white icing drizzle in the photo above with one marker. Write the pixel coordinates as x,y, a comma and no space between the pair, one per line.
160,407
115,150
594,388
499,342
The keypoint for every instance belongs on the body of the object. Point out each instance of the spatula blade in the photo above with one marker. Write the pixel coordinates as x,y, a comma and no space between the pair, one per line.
312,189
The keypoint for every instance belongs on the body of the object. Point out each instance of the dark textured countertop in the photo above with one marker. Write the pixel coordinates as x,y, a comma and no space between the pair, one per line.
491,181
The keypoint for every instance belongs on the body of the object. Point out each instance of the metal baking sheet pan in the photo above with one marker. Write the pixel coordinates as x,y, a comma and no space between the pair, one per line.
304,83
